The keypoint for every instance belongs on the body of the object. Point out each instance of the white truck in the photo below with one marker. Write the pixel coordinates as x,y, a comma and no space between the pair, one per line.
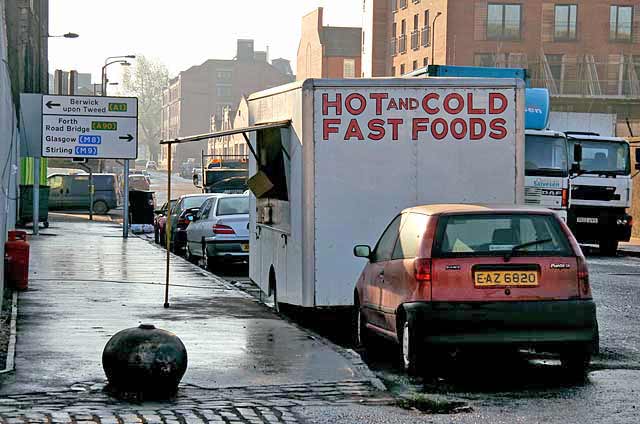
601,189
336,159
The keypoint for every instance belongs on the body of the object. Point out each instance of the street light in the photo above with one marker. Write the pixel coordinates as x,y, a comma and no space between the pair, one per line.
123,62
67,35
433,37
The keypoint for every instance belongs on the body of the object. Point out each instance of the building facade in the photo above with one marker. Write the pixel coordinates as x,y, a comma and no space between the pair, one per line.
328,52
574,48
202,93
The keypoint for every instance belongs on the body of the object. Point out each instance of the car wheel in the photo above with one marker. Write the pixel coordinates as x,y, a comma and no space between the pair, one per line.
412,360
360,332
212,263
190,257
575,362
608,247
100,207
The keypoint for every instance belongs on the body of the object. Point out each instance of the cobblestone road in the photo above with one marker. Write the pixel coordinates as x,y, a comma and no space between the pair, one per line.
85,403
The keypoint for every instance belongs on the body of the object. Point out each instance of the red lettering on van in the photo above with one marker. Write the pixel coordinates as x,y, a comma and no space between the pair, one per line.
498,130
349,104
419,126
326,104
496,110
328,128
376,128
425,103
378,97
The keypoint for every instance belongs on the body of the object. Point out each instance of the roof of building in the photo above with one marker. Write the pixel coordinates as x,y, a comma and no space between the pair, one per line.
341,41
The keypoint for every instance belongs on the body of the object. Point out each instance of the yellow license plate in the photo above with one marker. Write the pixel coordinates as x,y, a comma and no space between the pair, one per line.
244,247
505,278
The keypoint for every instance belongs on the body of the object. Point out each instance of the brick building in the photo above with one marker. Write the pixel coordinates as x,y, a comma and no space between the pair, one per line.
203,92
586,52
328,52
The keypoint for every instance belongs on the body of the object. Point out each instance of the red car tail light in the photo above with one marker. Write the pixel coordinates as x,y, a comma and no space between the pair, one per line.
222,229
565,198
183,223
422,270
583,278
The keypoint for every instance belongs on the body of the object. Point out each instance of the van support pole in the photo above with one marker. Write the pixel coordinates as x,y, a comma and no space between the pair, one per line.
168,225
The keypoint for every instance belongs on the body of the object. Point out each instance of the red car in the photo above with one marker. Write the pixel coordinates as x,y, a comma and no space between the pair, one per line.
444,277
159,223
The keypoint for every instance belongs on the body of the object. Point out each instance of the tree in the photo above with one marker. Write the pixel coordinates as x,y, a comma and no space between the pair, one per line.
146,81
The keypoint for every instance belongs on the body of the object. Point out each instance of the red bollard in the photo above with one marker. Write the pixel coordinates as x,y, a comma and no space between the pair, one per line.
16,251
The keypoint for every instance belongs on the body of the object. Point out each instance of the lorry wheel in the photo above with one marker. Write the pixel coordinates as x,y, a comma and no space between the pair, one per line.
100,207
608,247
46,224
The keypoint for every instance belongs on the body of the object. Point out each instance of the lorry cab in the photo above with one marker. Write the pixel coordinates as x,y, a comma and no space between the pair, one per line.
600,189
547,170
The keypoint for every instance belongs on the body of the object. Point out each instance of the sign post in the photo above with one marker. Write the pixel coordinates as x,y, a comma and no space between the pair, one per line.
91,127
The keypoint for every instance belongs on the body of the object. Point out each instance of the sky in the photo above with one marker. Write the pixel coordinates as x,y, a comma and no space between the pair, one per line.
181,33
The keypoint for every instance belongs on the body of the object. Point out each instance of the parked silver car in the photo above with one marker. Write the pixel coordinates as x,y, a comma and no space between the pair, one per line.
220,230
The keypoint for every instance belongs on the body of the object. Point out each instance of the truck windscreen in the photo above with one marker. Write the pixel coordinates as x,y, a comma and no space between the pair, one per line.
546,156
603,157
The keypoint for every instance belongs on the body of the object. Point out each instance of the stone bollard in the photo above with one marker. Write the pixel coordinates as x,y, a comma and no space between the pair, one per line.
144,362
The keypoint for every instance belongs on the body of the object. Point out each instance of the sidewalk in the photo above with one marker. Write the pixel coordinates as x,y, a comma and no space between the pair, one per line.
87,283
632,248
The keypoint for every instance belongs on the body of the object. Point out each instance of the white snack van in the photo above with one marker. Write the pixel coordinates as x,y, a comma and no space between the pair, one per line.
334,160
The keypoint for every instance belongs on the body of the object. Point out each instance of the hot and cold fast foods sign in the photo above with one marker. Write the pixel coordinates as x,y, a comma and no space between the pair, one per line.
433,114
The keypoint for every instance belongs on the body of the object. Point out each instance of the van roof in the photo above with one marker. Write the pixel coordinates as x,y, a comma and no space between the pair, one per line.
439,209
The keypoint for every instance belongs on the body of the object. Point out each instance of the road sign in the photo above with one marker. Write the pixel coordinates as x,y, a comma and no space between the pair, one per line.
90,127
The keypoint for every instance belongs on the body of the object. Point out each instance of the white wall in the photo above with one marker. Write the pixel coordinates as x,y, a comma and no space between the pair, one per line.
8,146
601,123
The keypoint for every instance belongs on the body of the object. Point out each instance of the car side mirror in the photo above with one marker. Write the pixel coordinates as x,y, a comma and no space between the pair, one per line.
637,159
575,168
362,251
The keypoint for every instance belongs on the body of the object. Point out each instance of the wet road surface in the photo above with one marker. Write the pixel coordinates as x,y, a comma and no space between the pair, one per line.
86,284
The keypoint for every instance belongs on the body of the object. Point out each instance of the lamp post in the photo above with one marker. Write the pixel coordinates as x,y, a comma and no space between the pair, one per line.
433,37
107,62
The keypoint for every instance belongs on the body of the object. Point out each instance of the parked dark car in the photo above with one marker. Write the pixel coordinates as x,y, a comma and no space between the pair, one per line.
179,222
160,221
71,192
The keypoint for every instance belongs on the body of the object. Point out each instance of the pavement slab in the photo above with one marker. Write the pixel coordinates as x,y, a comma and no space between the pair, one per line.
87,283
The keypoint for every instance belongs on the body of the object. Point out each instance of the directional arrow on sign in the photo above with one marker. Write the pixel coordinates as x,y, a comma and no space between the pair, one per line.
127,137
51,104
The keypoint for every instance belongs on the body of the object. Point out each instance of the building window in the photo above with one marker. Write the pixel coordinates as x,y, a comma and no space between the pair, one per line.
402,71
403,4
402,40
425,36
504,21
566,22
394,5
223,90
223,75
349,68
485,59
621,22
415,34
555,66
415,65
425,61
